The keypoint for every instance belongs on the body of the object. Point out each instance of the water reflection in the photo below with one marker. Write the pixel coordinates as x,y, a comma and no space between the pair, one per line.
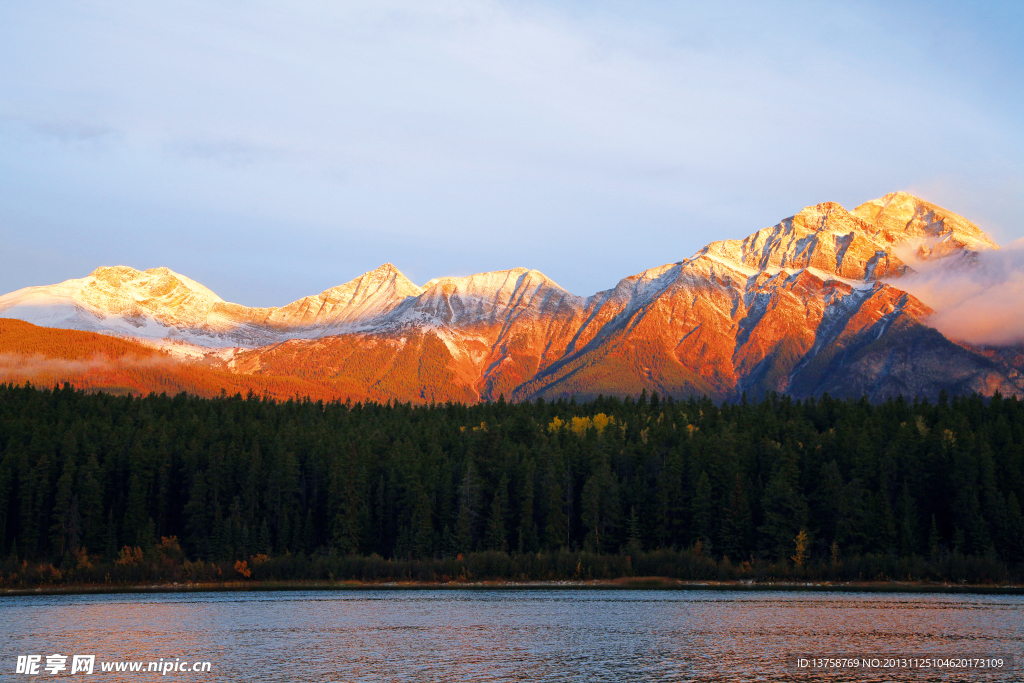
515,635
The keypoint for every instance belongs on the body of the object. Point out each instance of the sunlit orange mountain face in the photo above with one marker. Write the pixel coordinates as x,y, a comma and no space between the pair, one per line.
807,306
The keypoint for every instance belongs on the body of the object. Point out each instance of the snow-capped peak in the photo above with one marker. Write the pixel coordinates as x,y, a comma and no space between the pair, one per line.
899,217
865,244
825,236
369,296
153,281
485,297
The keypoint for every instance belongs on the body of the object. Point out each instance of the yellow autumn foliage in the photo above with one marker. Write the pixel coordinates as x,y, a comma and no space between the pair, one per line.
601,421
580,425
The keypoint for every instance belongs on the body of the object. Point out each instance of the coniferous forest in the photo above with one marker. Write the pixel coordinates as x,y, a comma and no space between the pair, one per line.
96,488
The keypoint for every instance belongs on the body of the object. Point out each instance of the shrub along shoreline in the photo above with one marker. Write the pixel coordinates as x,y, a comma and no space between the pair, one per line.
165,568
639,583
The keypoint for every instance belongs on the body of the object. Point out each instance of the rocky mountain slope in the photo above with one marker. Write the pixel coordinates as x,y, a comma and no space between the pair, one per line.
806,306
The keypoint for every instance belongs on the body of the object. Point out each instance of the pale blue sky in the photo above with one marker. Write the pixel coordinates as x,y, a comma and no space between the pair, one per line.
271,150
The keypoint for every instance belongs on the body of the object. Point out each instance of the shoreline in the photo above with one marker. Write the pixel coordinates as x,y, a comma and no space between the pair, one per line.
633,583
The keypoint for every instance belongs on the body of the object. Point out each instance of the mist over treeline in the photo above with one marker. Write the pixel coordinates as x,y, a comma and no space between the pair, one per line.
87,478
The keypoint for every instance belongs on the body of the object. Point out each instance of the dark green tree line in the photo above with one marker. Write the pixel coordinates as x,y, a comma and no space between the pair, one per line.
237,477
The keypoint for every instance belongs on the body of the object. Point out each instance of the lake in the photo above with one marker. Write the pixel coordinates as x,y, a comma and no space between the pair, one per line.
520,635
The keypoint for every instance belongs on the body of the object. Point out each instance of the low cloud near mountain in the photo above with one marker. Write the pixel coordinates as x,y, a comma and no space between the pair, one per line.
32,365
979,301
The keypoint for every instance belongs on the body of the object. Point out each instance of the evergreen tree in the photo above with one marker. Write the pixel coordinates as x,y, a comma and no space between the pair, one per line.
422,528
309,534
634,545
736,522
91,505
527,531
137,523
600,508
470,493
65,529
33,485
703,511
907,512
263,542
5,492
556,530
198,521
933,541
884,524
785,511
1013,543
496,525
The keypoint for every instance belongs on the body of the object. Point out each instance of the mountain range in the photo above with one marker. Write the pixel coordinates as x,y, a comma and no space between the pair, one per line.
807,306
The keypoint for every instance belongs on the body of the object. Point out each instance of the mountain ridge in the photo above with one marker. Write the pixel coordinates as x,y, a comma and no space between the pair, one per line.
797,305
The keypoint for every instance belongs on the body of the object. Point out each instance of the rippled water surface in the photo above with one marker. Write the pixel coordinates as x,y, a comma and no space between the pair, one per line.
506,635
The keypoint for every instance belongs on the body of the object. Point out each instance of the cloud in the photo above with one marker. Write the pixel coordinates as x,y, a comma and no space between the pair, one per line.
26,367
231,152
72,132
979,301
